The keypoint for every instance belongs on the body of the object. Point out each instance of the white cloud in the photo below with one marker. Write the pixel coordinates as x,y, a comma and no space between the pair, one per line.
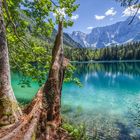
60,12
75,17
130,11
111,12
97,17
89,28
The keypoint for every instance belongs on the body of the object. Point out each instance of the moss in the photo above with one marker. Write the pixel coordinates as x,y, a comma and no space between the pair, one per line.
23,105
7,107
33,136
77,132
1,125
7,114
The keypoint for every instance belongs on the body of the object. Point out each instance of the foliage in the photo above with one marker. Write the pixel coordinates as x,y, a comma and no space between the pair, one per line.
43,10
130,51
77,132
33,61
29,26
128,2
63,11
29,54
69,75
132,4
39,12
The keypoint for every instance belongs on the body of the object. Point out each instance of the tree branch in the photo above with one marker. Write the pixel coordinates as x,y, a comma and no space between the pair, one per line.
11,21
136,2
54,3
134,16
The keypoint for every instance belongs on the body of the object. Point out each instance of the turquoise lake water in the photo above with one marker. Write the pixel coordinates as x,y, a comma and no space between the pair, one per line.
108,102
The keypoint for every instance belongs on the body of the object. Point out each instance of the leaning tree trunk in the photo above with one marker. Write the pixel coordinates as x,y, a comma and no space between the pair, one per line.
53,85
9,110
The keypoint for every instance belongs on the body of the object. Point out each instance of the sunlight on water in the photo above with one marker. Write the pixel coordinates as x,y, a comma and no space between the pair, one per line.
110,94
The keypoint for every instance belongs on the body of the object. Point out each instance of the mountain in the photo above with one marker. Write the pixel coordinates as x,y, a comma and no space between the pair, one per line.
79,37
118,33
67,40
70,42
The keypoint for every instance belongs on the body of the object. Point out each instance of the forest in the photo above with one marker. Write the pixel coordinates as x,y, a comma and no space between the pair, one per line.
130,51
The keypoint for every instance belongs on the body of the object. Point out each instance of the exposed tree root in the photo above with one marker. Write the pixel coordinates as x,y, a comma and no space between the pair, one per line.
33,124
41,119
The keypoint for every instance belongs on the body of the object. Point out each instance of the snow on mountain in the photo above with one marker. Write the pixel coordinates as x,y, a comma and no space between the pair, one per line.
119,33
79,37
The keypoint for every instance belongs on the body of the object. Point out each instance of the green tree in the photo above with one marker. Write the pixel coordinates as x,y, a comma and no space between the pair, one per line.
53,86
10,112
38,24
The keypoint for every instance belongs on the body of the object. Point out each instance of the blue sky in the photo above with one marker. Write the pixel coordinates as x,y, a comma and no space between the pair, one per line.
97,13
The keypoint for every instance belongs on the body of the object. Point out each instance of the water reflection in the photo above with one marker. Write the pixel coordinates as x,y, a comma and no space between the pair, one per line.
108,91
112,68
119,75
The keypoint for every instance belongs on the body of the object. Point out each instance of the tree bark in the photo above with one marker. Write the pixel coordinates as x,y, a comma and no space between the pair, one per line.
33,124
9,109
53,85
41,119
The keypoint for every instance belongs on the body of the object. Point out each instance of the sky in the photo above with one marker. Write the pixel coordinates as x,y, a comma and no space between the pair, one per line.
98,13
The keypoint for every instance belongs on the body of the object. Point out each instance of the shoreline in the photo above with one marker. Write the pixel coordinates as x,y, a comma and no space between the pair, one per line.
110,61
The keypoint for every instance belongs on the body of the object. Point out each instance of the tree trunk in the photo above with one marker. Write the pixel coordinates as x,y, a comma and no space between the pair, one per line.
9,110
41,119
53,85
32,125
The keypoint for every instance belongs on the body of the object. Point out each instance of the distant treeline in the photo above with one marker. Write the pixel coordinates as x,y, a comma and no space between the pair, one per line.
130,51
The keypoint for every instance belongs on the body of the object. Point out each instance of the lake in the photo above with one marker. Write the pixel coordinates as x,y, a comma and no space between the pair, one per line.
108,103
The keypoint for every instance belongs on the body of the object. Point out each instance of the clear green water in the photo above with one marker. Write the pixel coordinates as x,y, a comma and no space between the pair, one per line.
23,95
107,102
